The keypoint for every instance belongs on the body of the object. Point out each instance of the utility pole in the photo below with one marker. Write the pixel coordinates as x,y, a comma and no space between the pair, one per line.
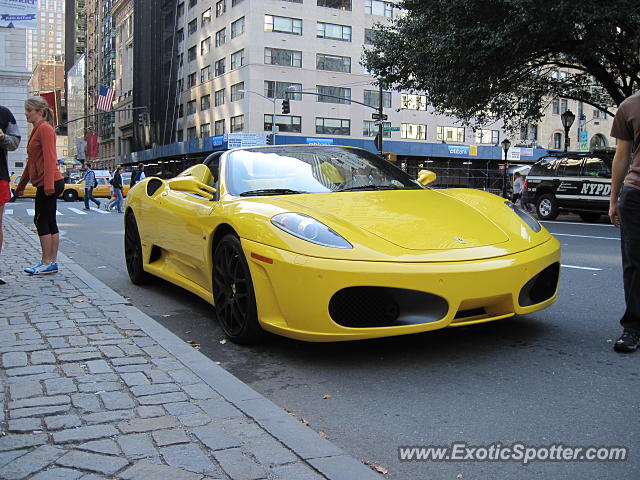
380,119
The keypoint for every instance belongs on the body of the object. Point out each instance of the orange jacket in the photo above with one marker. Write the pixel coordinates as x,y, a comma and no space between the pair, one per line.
42,159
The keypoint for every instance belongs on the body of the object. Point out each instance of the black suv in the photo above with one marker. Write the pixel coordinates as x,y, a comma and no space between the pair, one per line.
573,182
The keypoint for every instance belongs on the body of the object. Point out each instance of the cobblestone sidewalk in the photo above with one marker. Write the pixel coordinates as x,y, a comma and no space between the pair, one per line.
92,389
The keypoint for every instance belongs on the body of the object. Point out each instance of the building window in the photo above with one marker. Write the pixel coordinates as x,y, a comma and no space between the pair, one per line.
218,97
237,124
220,67
205,74
235,2
191,54
221,37
205,102
285,58
192,133
237,28
282,25
205,46
369,34
191,107
343,93
370,129
221,7
450,134
488,136
376,7
191,80
333,31
286,123
372,98
564,106
236,93
205,130
333,63
413,131
219,127
237,59
413,102
339,4
206,17
555,107
557,141
192,27
180,35
333,126
277,89
180,11
192,3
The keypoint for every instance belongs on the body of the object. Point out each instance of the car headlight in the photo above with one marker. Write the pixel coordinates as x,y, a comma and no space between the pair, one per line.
531,222
309,229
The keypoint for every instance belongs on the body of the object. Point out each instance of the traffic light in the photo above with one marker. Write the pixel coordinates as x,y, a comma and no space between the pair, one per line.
270,139
286,108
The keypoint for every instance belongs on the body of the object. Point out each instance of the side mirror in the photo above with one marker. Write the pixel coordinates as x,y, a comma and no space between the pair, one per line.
192,185
426,177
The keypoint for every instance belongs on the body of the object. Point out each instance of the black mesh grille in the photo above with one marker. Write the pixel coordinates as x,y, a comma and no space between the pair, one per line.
541,287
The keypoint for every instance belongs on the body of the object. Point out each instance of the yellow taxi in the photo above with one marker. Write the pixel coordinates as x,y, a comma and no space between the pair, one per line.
75,191
29,190
126,183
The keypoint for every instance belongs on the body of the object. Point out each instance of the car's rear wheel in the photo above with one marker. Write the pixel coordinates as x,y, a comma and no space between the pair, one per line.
547,207
590,217
233,292
133,251
70,195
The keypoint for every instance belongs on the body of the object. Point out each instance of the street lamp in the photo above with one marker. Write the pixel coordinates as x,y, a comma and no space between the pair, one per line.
273,118
506,145
567,120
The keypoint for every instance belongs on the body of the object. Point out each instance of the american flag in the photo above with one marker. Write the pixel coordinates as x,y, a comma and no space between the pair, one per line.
105,99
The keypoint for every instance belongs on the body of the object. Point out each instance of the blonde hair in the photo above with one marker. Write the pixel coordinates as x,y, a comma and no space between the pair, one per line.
41,105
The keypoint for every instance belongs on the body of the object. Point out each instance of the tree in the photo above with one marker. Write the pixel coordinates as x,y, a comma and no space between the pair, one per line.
501,58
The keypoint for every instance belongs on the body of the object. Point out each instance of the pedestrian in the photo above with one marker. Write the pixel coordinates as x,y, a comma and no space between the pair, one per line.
116,183
137,175
624,212
90,182
525,204
518,184
9,141
42,171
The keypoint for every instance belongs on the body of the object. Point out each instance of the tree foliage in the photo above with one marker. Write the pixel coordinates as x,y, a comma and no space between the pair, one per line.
500,58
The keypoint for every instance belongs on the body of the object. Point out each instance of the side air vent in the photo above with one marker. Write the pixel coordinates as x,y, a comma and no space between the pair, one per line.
153,185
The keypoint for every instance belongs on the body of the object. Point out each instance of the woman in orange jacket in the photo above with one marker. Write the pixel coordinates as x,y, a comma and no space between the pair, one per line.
42,170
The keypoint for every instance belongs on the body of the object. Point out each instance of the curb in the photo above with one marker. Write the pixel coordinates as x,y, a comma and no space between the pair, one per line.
322,455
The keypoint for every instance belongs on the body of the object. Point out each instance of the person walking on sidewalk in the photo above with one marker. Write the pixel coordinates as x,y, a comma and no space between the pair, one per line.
42,170
90,183
9,141
116,183
624,212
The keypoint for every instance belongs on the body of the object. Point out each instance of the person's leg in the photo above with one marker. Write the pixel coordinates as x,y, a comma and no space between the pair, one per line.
2,281
97,202
86,198
119,199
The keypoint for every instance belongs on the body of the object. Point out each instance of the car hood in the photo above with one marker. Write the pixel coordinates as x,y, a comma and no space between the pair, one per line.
411,219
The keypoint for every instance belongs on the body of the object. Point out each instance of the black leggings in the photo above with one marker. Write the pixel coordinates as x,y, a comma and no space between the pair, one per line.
45,217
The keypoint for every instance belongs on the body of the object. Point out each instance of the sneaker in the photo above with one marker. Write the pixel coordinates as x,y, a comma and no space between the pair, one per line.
31,270
628,342
2,281
46,269
85,208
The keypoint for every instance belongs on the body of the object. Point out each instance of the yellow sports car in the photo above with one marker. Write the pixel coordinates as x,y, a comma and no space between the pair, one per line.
328,243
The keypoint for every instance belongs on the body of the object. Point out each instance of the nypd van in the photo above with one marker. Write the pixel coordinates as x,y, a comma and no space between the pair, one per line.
571,182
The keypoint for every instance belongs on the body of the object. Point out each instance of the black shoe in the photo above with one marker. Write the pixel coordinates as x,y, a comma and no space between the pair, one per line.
628,342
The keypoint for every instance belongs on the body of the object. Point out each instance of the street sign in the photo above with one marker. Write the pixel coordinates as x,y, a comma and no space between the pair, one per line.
376,116
391,129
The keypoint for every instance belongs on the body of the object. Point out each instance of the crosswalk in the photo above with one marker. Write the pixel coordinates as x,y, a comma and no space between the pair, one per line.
61,212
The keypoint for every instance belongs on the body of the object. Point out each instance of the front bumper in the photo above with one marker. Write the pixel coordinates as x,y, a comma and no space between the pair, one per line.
308,298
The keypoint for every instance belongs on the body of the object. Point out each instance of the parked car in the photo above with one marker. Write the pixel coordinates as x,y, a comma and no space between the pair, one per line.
571,182
75,191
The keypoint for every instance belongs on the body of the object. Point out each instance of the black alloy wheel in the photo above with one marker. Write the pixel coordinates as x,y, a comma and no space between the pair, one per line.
70,195
133,251
233,292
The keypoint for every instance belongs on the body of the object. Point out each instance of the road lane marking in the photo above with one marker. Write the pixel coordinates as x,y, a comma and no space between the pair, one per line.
8,211
584,236
94,209
577,223
58,213
582,268
31,211
75,210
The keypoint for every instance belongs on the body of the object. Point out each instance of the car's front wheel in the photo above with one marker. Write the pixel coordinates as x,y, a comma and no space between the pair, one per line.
233,293
70,195
133,251
547,207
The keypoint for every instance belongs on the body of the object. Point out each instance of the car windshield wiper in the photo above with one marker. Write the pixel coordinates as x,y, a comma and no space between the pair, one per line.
271,191
370,187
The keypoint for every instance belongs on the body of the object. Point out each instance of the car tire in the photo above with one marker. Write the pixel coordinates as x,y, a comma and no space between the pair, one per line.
547,207
589,217
233,293
70,195
133,251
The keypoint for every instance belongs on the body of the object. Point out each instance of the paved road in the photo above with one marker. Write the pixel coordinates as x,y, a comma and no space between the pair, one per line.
546,378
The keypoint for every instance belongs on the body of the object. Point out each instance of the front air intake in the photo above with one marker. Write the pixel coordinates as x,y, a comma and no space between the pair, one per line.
541,287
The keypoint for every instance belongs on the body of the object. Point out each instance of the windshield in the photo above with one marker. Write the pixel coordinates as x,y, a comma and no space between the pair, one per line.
311,169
